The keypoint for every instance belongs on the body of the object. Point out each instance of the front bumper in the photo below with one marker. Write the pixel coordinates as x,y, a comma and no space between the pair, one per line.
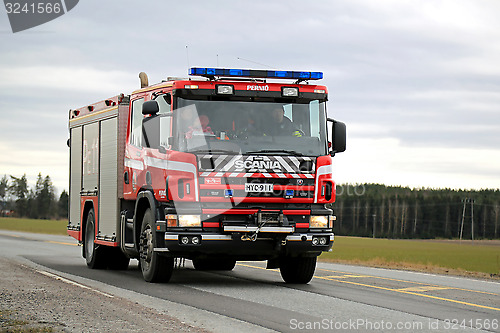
237,241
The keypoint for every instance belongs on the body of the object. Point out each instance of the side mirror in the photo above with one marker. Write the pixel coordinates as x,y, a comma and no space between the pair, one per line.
339,137
339,134
150,107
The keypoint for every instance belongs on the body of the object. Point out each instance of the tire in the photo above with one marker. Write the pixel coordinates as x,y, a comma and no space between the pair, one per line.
117,260
214,264
155,268
95,255
298,270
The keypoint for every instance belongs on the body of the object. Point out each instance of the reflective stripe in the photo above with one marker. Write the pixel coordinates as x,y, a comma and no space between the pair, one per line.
134,164
256,175
216,237
171,237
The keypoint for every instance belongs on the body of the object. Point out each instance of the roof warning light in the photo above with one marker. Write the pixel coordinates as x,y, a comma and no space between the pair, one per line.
254,73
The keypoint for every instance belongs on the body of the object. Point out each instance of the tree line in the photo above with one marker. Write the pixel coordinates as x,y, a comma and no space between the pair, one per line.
375,210
39,202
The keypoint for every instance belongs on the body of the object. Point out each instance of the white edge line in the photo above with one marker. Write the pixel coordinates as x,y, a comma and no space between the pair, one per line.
73,283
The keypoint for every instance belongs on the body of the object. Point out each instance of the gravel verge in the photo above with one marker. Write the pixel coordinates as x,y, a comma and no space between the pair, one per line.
33,302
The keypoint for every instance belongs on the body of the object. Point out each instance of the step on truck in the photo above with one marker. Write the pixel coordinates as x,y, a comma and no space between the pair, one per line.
226,165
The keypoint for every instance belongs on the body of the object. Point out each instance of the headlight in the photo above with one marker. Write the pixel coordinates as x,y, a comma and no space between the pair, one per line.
318,221
189,221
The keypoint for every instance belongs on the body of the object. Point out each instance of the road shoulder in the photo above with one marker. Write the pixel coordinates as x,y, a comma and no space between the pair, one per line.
32,301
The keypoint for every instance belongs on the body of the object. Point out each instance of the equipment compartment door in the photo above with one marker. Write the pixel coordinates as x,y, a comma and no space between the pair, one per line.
108,178
75,181
90,157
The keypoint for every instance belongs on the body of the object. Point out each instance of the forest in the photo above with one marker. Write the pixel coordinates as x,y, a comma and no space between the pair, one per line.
375,210
39,202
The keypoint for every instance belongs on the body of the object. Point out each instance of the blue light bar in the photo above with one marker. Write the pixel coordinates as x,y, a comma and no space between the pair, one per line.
254,73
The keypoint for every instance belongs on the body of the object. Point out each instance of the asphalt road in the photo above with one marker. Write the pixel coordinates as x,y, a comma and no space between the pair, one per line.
251,298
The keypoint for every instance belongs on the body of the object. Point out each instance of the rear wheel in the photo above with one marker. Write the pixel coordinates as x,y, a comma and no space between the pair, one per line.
155,268
216,264
95,255
298,270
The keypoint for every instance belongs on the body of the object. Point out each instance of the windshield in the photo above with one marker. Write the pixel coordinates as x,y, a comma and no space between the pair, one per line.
251,127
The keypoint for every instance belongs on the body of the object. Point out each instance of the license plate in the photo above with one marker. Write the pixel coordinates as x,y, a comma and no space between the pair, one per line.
259,188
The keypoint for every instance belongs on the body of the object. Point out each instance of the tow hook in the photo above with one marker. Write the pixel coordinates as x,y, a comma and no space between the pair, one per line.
252,237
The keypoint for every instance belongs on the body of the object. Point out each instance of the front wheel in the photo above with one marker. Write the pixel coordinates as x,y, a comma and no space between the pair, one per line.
298,270
154,267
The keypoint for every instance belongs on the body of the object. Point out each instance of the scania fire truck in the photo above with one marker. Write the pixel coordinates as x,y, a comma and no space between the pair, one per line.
226,165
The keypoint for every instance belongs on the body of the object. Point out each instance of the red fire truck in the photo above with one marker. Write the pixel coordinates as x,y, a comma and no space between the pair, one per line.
227,165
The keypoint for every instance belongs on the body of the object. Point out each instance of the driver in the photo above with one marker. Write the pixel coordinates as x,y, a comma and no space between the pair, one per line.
281,125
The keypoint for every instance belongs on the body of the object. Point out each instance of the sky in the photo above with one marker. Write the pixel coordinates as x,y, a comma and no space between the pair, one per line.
416,82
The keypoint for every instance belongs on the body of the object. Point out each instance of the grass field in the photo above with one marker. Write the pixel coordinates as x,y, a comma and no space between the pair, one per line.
54,227
464,258
423,255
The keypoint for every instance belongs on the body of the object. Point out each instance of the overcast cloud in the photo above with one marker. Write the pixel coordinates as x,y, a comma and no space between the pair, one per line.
416,82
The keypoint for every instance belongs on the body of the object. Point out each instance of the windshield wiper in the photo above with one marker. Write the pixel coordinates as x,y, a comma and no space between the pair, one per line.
272,151
220,151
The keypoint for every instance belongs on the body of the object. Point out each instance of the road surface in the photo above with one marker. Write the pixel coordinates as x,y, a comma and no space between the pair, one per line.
251,298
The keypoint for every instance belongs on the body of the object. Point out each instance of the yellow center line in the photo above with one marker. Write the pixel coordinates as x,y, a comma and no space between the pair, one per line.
403,291
347,276
411,293
413,282
263,268
54,242
9,235
424,288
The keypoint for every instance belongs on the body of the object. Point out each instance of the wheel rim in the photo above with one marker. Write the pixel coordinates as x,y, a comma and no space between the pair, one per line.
90,242
146,247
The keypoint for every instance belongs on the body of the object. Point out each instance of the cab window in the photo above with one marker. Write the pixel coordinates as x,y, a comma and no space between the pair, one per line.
136,123
164,103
